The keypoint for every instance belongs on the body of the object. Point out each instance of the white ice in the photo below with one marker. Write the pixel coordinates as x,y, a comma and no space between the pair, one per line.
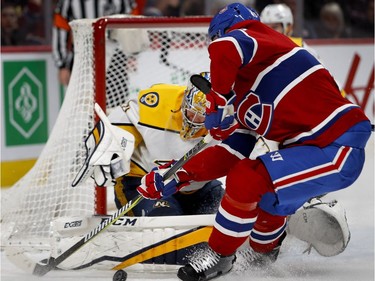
356,263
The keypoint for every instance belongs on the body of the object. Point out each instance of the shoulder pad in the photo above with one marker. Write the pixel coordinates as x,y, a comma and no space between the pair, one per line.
159,103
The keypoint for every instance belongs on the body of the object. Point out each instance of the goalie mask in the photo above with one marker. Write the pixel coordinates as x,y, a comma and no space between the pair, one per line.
193,111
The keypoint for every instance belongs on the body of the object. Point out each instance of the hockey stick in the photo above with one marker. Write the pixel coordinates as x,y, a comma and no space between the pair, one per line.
201,83
188,155
41,269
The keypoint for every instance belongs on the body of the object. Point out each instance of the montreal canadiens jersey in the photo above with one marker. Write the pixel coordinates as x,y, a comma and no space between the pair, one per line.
283,92
155,120
300,42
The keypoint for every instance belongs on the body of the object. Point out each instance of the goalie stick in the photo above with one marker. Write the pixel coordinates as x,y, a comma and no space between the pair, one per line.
40,269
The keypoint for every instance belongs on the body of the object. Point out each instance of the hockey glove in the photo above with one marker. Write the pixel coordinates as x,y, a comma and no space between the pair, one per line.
105,175
108,153
220,119
154,187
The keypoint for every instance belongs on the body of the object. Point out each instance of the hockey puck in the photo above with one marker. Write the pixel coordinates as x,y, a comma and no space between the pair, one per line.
120,275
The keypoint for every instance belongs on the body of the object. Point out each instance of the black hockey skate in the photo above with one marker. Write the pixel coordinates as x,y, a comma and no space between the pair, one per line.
205,265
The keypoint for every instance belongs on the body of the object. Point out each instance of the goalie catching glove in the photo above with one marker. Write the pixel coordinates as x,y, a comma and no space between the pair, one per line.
220,115
154,187
108,153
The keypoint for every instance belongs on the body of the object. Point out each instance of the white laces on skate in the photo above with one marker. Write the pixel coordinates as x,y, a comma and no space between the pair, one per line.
204,259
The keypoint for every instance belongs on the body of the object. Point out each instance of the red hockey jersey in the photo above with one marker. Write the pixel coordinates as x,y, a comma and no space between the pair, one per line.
283,92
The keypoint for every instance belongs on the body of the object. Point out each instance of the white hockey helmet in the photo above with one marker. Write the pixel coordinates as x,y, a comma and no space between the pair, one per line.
277,13
193,111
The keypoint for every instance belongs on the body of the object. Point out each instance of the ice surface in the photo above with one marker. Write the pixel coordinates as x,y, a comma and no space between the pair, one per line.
356,263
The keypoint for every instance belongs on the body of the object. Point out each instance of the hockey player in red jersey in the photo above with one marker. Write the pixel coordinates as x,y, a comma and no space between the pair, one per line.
263,83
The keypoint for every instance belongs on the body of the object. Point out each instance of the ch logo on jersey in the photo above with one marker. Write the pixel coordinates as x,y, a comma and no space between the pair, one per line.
150,99
276,156
254,114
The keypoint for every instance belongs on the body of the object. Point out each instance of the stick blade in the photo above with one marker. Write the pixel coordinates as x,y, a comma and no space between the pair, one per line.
20,259
201,83
41,270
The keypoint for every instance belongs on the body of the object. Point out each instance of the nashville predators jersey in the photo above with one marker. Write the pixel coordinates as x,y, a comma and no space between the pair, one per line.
155,120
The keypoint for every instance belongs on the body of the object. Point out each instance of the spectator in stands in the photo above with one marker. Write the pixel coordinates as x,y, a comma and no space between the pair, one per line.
193,8
361,17
11,32
33,19
302,28
332,23
159,8
66,11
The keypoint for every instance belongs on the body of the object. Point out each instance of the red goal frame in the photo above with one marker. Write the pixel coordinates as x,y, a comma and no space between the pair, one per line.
99,32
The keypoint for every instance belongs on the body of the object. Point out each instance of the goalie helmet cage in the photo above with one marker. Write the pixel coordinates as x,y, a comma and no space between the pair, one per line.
115,57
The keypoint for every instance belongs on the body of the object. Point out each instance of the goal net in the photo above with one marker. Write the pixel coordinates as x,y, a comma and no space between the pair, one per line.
115,57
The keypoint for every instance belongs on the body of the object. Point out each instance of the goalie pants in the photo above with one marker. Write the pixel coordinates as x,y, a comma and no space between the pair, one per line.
205,200
261,193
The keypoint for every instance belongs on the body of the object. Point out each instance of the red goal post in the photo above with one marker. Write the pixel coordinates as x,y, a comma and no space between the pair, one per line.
115,57
100,29
102,25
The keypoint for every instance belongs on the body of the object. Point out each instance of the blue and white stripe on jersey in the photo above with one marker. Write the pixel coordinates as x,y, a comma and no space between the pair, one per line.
231,225
285,73
248,45
245,45
241,143
314,132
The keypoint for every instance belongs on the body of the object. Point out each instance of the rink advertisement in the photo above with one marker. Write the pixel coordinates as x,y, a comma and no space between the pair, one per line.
30,102
35,91
25,94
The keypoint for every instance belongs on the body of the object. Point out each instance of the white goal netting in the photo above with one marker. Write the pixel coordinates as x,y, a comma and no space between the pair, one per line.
138,52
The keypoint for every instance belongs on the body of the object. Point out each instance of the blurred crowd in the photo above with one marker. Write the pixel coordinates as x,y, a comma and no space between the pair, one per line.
23,22
29,22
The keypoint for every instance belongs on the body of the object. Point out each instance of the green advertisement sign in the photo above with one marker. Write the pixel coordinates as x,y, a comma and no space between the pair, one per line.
25,102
